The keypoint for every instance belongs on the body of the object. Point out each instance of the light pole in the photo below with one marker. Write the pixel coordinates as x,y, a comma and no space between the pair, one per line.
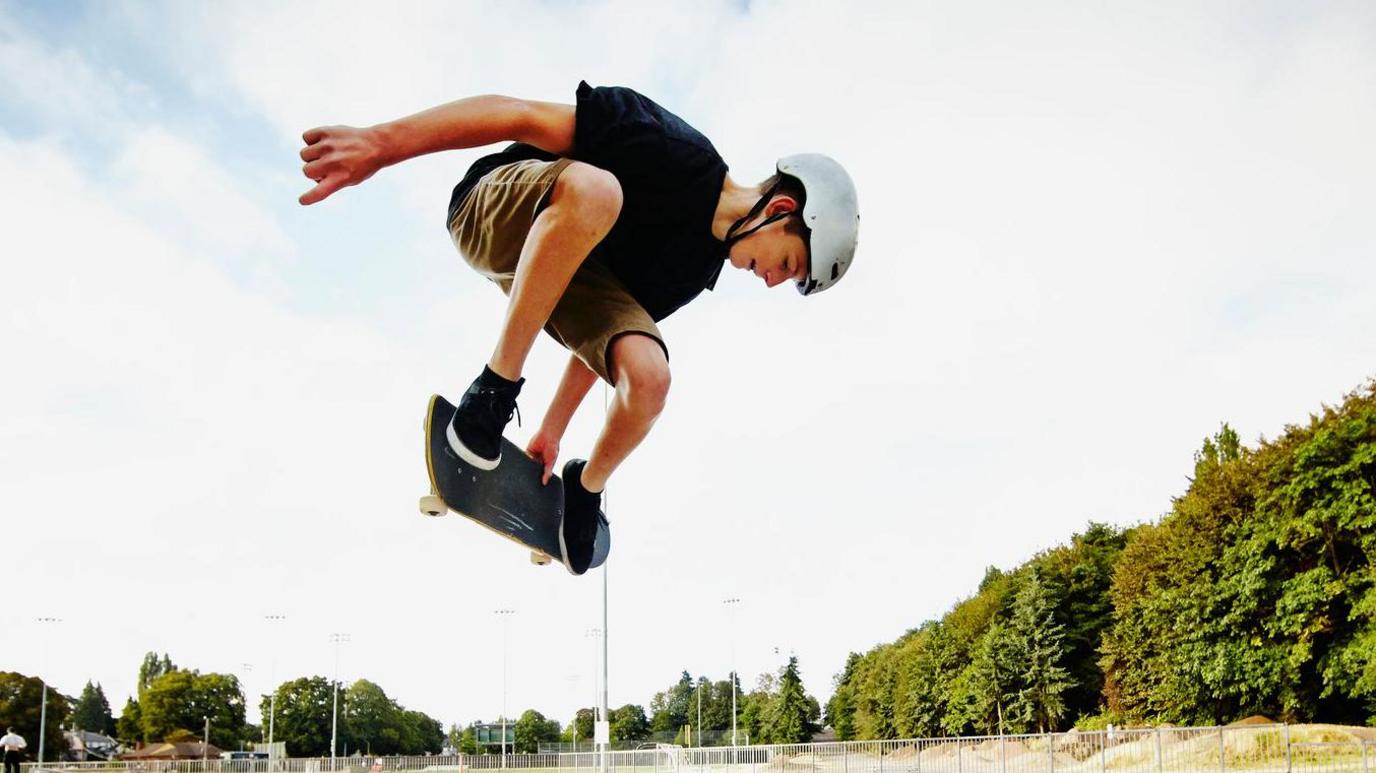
338,639
272,701
504,614
43,711
731,633
205,743
699,713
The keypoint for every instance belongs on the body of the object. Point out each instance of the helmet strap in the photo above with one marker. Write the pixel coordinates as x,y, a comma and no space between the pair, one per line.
732,237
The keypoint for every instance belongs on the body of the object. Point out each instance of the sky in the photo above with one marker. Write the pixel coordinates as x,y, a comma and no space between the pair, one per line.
1091,234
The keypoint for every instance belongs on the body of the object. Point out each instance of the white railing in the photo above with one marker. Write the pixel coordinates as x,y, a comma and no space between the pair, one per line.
1245,749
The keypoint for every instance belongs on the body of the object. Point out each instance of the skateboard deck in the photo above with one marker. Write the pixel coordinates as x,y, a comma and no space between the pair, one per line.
509,500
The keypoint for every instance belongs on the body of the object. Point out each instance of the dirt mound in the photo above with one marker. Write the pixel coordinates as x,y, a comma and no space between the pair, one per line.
1255,719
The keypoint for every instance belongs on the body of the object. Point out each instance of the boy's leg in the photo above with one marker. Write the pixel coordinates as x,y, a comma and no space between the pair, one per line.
641,373
583,206
531,251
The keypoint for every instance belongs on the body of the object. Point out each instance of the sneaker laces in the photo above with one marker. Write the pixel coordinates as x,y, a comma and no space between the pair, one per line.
500,398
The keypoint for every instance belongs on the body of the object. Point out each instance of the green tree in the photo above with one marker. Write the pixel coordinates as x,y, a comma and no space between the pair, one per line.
1081,575
374,720
669,709
468,742
153,667
993,678
423,734
840,709
305,714
532,729
182,700
628,723
1037,640
791,715
129,726
21,704
92,711
582,725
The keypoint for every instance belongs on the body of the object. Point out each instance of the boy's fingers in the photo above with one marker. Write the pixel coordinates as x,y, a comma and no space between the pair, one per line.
325,188
312,136
312,152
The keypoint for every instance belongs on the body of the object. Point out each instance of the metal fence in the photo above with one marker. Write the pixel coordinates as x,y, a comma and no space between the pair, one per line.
1251,748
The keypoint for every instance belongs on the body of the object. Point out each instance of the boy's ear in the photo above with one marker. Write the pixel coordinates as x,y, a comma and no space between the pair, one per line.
780,203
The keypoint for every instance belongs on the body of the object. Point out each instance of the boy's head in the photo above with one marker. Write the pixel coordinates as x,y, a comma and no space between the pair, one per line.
778,250
804,226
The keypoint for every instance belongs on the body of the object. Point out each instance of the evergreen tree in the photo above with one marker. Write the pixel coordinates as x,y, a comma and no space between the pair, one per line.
1039,645
993,679
790,716
840,709
92,711
129,726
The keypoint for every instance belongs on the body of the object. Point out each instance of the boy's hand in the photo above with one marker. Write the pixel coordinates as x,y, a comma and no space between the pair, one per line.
544,447
337,156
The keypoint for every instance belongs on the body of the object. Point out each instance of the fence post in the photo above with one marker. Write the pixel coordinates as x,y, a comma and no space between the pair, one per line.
1222,765
959,746
1365,769
1003,754
1159,761
1288,761
1051,750
1103,748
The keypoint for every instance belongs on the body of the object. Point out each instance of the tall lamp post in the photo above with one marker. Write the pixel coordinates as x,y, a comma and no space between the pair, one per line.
43,711
731,634
338,639
272,701
504,614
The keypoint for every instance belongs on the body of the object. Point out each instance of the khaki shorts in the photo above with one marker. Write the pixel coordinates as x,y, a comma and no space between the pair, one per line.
490,228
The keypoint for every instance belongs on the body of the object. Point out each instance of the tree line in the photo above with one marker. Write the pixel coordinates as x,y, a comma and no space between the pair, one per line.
1255,594
173,703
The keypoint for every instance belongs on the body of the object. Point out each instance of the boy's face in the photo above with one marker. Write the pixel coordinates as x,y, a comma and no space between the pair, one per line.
773,253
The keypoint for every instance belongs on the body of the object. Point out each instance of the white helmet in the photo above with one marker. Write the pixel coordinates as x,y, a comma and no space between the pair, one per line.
830,212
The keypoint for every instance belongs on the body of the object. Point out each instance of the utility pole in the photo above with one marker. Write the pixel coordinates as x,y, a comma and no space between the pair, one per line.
43,711
504,614
272,702
731,632
338,639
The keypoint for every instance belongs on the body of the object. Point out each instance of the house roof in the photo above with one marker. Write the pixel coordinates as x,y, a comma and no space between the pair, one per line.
187,750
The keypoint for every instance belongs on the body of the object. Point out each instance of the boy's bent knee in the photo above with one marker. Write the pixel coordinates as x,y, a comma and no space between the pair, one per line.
642,373
594,192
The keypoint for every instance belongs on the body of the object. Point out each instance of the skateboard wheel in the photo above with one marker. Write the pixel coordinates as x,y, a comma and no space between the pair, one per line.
432,505
539,559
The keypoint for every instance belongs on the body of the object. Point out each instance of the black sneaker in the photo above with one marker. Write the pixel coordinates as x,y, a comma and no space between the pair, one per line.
475,432
582,516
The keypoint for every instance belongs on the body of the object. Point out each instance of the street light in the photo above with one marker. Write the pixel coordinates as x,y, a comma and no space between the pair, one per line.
504,614
43,712
731,633
272,701
338,639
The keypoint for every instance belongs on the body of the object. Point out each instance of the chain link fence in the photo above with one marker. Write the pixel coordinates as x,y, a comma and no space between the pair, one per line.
1250,748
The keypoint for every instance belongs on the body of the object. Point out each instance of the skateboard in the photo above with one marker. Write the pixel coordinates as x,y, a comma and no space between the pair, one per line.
509,500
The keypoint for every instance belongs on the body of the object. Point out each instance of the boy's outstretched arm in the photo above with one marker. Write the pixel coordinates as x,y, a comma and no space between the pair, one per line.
573,387
337,156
